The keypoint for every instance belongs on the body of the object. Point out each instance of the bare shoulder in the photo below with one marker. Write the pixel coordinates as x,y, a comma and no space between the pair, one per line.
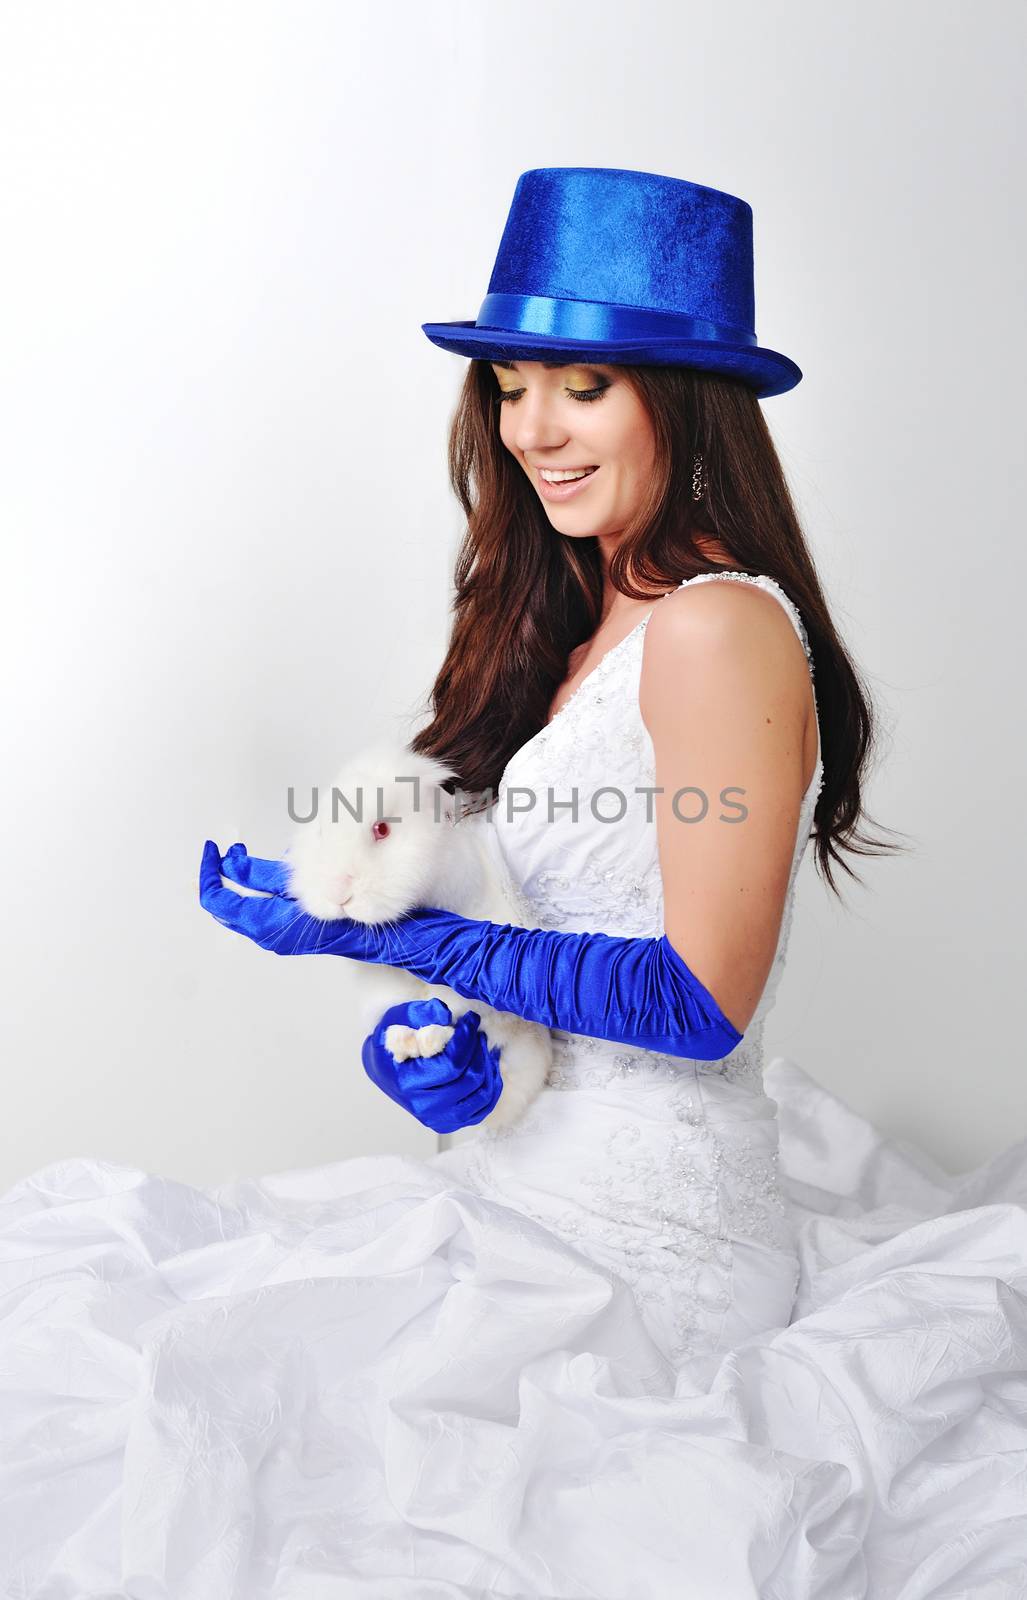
733,633
728,606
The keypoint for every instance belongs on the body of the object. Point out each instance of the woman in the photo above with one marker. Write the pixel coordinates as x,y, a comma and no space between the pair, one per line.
574,1356
591,653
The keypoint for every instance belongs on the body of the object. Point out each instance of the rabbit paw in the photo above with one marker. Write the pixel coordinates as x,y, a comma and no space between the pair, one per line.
403,1043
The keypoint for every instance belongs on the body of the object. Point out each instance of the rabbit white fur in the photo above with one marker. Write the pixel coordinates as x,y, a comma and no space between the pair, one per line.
342,865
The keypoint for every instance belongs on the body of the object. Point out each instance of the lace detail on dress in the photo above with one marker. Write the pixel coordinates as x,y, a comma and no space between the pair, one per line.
580,1062
661,1207
613,897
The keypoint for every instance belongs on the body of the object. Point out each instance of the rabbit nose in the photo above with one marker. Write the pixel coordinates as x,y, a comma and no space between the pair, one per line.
342,887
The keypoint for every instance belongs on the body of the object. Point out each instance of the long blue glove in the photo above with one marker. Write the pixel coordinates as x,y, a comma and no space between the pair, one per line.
636,991
453,1089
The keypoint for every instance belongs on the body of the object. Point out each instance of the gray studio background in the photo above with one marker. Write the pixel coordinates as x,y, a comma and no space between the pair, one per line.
228,536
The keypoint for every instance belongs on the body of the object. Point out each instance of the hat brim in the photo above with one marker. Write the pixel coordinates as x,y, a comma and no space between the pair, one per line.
766,371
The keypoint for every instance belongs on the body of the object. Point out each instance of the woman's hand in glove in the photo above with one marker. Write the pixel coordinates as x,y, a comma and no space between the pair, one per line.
456,1086
634,990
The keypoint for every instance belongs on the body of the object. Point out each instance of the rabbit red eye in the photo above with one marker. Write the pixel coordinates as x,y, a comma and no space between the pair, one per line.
380,830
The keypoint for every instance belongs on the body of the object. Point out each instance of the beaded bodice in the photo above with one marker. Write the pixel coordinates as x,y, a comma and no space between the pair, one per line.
576,837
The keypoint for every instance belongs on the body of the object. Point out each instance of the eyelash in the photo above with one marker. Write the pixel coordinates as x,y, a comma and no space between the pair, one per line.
586,396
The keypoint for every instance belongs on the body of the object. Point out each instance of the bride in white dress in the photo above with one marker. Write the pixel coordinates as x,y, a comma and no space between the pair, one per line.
689,1330
663,1170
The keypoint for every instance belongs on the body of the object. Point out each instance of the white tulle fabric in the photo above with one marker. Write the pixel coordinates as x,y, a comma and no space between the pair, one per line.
692,1332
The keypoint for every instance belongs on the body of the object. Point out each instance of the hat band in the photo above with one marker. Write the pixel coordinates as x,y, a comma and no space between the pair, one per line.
598,322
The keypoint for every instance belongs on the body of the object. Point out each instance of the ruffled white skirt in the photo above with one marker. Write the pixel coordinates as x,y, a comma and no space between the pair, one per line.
373,1379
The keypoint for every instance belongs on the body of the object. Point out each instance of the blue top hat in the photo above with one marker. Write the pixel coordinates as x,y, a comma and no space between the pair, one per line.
623,266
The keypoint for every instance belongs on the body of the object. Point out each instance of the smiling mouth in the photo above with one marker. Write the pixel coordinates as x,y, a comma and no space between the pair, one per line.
580,472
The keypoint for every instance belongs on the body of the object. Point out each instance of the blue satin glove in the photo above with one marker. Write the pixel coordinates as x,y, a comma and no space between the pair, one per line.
636,991
453,1089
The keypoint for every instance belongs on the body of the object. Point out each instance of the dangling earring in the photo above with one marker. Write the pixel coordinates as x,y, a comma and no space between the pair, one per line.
698,478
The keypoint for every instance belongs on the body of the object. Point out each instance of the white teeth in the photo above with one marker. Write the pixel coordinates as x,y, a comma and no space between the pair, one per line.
564,477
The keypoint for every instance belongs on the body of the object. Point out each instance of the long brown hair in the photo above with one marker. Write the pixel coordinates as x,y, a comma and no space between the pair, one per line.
525,597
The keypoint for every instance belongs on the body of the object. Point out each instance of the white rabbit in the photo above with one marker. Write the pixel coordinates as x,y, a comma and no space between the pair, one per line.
386,838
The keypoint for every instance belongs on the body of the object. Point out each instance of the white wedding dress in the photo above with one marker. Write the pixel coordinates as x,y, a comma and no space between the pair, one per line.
670,1337
661,1169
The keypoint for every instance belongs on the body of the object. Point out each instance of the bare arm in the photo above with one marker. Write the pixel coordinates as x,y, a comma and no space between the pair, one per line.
725,694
